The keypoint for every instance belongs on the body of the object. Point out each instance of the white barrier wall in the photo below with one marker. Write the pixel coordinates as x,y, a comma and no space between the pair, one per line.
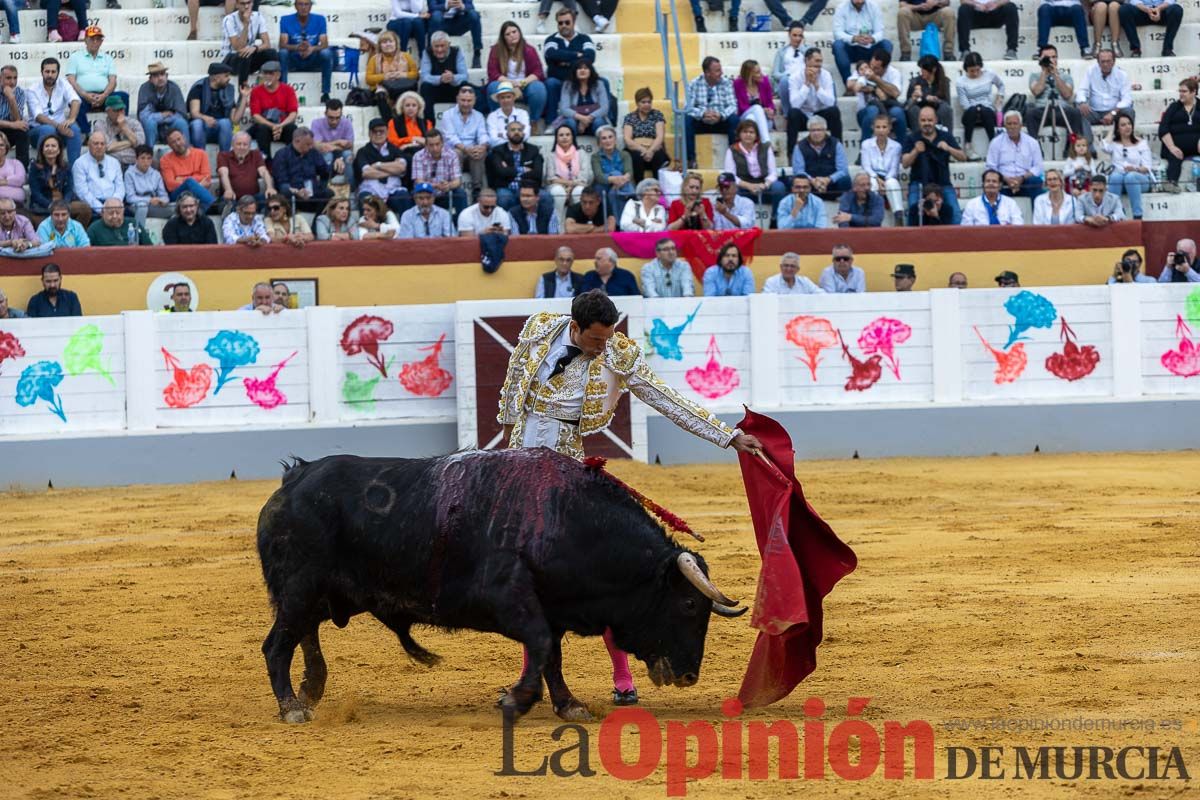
325,365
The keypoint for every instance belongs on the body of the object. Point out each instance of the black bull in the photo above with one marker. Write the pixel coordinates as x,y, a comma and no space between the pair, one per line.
529,544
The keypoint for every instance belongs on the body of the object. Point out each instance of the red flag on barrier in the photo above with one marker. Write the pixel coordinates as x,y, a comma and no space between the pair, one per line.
802,560
700,248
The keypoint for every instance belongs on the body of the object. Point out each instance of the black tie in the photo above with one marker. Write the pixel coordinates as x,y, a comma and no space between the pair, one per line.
797,52
567,358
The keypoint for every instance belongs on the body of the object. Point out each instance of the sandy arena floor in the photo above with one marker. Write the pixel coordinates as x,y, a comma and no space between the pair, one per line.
1043,587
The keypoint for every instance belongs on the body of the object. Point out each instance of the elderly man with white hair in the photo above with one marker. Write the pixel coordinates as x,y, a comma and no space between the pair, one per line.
608,276
1181,264
789,280
95,175
1017,156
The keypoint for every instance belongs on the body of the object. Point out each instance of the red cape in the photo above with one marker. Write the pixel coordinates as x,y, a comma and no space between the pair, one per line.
802,560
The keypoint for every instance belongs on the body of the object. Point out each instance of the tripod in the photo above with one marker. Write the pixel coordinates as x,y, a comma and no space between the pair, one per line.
1056,104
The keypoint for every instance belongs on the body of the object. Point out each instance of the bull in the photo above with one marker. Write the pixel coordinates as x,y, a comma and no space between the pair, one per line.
529,544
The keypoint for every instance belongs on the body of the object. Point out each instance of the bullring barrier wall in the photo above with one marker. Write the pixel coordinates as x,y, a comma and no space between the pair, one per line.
404,371
114,279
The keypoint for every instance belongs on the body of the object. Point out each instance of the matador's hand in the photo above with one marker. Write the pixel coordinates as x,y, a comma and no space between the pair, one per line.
745,443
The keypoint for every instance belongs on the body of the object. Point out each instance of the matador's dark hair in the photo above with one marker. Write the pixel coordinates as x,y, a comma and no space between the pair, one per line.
592,307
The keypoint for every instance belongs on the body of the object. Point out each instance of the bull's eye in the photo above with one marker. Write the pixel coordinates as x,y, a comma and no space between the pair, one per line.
689,605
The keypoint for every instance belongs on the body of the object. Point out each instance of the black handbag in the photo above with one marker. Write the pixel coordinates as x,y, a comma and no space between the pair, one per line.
1016,103
360,96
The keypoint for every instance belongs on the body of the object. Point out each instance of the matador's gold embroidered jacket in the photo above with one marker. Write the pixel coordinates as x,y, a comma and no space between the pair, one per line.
622,368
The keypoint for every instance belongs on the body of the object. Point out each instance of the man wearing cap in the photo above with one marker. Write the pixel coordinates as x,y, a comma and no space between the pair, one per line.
301,174
379,169
123,131
186,169
274,108
240,169
1008,280
731,211
904,276
213,106
466,132
425,220
53,107
304,45
789,280
505,114
92,74
245,43
160,106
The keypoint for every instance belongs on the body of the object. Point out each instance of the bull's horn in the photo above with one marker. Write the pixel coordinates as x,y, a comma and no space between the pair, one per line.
727,611
691,570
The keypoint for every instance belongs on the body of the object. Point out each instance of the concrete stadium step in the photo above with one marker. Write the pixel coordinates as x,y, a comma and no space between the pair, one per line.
342,20
734,48
183,57
172,24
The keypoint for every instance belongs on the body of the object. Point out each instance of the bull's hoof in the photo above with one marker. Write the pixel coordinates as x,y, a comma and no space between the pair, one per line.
295,713
516,701
625,698
574,711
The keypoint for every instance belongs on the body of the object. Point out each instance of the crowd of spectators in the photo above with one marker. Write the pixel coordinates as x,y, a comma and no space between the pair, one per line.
98,163
74,139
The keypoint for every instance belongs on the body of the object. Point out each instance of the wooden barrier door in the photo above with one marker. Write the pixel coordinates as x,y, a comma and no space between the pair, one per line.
495,338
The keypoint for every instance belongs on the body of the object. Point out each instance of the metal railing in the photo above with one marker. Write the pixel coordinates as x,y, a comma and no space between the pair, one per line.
671,87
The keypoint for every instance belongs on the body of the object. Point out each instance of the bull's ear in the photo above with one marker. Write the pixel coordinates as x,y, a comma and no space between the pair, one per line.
728,611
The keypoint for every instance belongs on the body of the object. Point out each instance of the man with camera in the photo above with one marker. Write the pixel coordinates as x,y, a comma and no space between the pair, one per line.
926,154
1129,269
1099,207
1106,90
1051,88
933,209
1179,266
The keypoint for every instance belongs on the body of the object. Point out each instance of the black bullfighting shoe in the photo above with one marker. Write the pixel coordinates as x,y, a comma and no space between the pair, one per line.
628,698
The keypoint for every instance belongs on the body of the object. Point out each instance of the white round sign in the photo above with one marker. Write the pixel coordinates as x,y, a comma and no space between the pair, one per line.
158,296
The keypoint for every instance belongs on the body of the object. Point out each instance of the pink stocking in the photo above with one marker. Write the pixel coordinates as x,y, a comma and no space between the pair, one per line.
622,678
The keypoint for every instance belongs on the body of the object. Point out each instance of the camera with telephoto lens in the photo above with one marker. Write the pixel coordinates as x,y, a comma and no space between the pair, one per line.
1045,62
1179,259
928,205
1127,265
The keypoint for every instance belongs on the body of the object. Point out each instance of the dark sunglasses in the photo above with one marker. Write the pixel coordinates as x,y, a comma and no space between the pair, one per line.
843,258
274,208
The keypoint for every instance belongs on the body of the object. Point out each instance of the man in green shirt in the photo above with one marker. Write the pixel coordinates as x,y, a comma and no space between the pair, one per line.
113,230
93,76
